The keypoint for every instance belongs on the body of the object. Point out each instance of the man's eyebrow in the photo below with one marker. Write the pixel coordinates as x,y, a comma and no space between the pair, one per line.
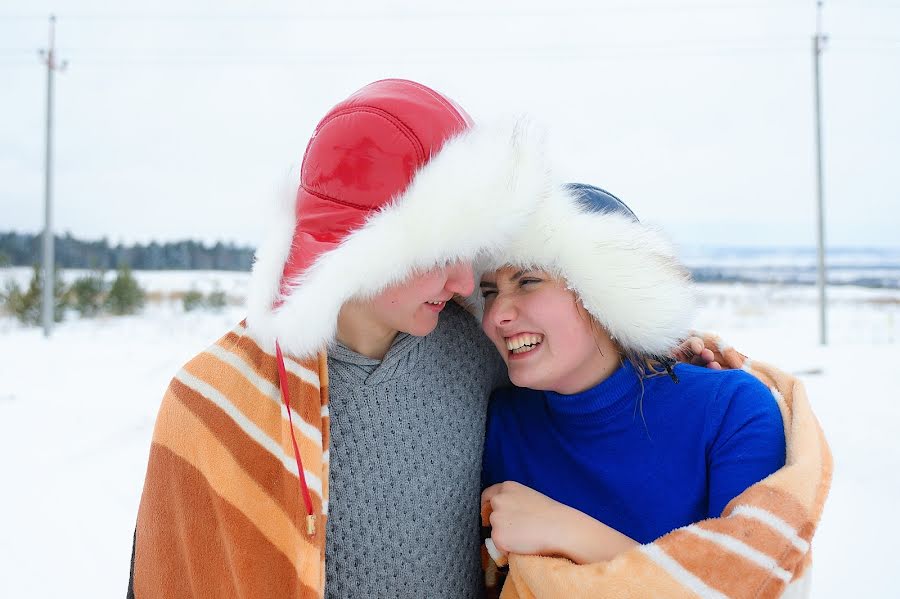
518,275
484,284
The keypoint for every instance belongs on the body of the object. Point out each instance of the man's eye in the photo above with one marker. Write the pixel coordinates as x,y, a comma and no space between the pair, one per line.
486,294
524,282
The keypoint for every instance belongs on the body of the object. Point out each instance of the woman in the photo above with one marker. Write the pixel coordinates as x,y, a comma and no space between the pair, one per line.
605,443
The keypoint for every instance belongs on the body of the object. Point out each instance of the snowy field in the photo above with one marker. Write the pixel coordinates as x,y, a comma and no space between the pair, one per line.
77,411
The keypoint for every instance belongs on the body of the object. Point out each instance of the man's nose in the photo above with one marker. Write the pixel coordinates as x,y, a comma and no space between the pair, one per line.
460,278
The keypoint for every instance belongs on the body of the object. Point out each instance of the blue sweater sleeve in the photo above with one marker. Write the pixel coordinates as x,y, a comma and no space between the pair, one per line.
750,442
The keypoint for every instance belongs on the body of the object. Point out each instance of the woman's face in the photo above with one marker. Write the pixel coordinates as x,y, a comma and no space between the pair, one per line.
544,335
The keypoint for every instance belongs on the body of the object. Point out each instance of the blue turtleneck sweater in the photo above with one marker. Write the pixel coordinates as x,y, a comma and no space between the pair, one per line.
699,444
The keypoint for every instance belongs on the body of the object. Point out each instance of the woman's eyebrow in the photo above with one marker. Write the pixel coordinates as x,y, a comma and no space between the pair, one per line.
515,277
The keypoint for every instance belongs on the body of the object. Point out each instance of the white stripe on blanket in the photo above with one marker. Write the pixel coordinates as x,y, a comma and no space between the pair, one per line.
250,428
297,369
774,522
267,389
684,577
746,551
800,588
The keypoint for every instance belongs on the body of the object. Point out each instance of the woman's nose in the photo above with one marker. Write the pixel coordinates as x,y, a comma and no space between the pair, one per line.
502,311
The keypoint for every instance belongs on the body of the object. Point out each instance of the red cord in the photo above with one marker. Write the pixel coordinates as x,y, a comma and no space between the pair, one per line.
282,379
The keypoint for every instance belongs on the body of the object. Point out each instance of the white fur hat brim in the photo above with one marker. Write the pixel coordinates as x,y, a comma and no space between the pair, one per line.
626,274
471,198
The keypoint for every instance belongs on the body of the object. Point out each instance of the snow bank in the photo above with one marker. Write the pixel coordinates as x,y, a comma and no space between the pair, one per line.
76,417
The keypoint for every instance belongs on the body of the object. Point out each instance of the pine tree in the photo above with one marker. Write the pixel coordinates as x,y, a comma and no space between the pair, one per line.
26,305
192,300
88,293
125,295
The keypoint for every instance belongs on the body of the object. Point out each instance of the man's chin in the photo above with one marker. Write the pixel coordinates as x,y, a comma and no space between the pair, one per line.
421,329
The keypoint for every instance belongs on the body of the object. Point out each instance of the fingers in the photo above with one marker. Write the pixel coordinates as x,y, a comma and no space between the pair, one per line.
501,495
490,492
495,552
500,530
704,357
688,349
696,345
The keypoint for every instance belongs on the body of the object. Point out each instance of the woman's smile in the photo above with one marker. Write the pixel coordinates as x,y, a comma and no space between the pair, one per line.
523,344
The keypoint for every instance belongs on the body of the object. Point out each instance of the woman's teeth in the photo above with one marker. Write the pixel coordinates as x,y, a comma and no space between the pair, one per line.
435,303
523,343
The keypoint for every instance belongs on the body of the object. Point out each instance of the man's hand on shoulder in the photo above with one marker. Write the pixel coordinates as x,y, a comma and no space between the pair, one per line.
693,351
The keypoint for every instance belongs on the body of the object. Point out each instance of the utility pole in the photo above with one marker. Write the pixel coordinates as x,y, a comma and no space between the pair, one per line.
47,305
819,41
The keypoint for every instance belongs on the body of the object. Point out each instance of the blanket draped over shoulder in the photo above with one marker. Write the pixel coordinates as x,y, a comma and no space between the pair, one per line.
758,548
222,514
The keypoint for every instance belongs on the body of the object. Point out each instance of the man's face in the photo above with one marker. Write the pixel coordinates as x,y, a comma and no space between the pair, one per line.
413,305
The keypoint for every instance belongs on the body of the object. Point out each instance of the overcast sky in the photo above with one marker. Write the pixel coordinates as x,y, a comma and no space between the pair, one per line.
177,119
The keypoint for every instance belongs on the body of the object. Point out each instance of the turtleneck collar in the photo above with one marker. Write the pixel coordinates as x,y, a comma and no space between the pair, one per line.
598,403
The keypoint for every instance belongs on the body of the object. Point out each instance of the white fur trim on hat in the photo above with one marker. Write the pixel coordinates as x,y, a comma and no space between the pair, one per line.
625,273
471,198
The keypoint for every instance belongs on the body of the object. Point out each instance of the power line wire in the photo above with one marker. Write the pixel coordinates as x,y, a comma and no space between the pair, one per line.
396,15
697,48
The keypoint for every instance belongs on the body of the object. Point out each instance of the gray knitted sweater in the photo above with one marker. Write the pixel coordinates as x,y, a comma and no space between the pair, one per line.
405,474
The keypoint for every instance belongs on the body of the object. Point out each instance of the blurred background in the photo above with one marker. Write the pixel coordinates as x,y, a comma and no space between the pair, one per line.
176,127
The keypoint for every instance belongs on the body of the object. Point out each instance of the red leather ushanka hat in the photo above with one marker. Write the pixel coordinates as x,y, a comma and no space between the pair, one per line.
395,178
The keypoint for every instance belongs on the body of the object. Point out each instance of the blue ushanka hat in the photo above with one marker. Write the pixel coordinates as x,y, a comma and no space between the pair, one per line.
625,273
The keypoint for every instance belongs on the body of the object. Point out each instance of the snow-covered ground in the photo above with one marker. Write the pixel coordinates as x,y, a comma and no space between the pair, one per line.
77,411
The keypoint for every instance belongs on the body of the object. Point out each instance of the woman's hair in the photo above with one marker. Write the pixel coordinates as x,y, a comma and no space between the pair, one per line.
645,366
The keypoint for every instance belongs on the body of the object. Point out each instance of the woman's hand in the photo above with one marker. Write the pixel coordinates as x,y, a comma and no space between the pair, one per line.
522,520
526,522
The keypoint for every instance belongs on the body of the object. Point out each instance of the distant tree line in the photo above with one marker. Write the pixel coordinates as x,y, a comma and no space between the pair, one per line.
24,249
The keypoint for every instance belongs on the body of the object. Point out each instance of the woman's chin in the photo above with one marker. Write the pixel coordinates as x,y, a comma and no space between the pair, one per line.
523,377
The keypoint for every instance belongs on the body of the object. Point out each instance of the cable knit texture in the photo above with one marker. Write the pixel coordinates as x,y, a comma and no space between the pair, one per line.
395,529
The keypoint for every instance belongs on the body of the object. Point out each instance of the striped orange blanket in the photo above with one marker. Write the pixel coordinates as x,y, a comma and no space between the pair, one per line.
759,548
221,514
